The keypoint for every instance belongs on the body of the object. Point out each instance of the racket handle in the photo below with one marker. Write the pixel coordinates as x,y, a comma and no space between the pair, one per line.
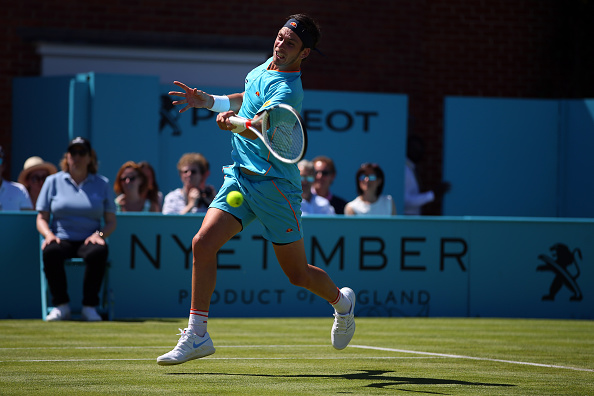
238,121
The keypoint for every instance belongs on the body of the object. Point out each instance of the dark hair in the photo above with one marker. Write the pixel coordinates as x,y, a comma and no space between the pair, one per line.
152,193
376,170
327,160
92,168
311,26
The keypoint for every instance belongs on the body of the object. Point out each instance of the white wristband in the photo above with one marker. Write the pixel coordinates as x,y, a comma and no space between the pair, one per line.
221,103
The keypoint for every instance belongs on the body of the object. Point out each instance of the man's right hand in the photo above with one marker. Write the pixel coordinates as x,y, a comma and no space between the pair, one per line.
192,97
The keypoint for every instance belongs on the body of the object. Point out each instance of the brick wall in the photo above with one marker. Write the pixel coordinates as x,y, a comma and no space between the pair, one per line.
427,49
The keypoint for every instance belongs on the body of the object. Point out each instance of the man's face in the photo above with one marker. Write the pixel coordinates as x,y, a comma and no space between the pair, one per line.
190,175
323,176
287,53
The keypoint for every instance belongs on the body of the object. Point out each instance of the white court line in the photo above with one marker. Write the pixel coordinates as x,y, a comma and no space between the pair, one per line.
469,357
167,346
222,358
425,354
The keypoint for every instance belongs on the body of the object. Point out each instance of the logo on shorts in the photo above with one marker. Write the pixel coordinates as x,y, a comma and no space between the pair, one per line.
289,230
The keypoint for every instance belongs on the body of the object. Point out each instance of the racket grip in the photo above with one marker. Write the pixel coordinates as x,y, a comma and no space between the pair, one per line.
240,123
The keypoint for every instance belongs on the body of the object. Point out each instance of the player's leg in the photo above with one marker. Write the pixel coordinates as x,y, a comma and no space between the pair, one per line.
217,228
293,261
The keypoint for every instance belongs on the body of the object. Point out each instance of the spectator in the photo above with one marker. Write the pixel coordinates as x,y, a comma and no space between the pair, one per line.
370,201
413,198
325,172
195,195
152,193
130,184
13,196
34,173
72,205
311,203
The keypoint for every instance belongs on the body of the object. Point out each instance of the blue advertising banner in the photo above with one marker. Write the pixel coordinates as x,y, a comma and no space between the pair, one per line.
453,266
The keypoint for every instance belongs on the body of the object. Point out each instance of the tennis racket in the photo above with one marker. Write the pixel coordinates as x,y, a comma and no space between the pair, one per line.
283,132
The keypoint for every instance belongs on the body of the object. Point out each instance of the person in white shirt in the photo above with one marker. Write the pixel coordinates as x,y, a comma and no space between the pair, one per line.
413,198
370,201
195,195
13,196
311,203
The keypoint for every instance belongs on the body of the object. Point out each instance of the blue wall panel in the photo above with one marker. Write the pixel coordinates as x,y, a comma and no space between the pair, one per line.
577,159
501,157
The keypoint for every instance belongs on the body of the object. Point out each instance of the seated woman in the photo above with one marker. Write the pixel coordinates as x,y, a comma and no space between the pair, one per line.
370,201
77,200
152,193
33,175
130,186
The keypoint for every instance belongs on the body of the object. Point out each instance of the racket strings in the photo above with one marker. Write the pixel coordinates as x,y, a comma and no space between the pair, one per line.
285,135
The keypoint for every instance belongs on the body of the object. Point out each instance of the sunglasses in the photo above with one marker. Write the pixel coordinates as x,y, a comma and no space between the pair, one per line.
309,179
37,178
323,172
80,152
368,177
191,171
131,178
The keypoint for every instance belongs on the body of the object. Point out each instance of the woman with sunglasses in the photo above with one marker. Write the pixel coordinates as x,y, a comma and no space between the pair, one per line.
76,213
370,200
35,171
130,186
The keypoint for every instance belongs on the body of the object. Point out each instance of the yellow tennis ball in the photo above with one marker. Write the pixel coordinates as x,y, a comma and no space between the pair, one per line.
235,199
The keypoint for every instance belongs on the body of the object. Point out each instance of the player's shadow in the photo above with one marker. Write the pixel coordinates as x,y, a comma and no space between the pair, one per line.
378,378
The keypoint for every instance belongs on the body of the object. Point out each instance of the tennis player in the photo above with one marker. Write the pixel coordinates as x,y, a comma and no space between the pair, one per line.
271,190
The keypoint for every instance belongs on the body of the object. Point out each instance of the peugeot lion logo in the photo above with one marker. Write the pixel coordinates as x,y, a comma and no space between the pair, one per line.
564,264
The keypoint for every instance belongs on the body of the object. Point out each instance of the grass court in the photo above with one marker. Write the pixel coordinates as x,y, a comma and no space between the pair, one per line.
293,356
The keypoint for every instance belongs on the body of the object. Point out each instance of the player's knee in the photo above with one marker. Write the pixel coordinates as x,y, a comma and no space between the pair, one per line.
299,279
200,246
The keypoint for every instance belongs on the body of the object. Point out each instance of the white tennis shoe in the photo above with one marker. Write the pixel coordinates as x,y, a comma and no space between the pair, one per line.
90,314
61,312
343,328
189,347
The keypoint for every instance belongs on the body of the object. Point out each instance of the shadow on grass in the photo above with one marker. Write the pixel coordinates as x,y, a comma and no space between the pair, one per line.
378,377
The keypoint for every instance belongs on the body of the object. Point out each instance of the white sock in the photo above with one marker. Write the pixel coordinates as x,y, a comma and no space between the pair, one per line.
342,304
197,321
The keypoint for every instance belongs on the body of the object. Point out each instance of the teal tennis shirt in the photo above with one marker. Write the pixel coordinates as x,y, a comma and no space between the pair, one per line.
265,88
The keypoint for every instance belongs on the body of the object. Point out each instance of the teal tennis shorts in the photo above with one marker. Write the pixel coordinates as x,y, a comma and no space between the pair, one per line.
274,202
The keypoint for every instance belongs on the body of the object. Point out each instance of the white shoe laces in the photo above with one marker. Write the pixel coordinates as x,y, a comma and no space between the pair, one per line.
341,322
181,343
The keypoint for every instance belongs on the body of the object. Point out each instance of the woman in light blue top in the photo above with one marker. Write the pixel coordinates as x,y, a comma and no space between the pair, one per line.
72,206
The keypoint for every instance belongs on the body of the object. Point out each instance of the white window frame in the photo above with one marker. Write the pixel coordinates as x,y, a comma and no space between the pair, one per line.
198,67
